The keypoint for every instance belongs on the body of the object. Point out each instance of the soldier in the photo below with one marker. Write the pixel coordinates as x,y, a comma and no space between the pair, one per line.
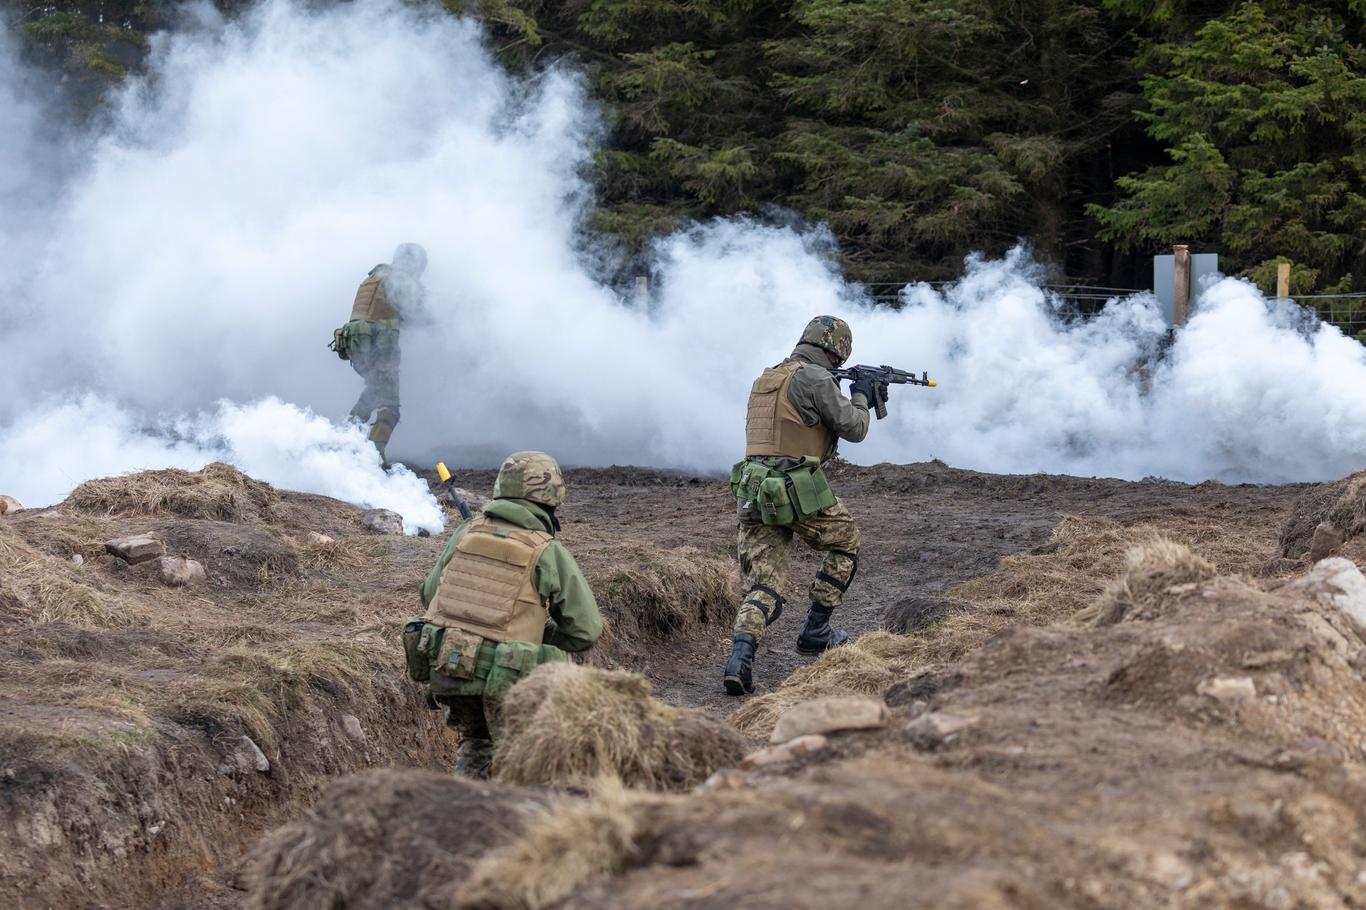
389,296
504,598
796,415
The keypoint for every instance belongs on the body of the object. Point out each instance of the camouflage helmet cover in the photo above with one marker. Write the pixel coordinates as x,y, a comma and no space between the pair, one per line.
410,258
832,334
533,476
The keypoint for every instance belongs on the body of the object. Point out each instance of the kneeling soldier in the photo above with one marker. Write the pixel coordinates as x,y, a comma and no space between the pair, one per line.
796,415
504,598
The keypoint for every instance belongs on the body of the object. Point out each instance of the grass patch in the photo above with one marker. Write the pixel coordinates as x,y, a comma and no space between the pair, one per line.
562,849
570,725
219,492
36,588
1151,568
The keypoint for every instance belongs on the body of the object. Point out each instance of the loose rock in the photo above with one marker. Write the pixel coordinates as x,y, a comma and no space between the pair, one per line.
382,521
9,504
318,539
1327,538
829,715
179,571
136,549
929,731
1228,688
351,726
774,755
251,755
1337,583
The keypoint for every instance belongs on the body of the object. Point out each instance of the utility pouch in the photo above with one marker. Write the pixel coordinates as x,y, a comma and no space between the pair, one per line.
515,660
420,641
747,477
774,501
458,656
810,489
339,343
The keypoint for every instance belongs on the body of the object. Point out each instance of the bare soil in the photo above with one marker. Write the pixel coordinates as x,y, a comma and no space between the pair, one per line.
122,780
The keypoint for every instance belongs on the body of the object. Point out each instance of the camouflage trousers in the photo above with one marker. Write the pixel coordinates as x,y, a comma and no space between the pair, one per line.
380,370
765,550
479,721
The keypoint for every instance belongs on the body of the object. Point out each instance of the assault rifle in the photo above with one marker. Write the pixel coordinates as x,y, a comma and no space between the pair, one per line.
882,377
448,484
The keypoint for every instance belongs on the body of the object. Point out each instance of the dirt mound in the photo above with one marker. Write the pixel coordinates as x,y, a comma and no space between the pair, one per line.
653,596
219,492
148,732
1207,757
385,839
1152,571
868,666
1341,505
569,725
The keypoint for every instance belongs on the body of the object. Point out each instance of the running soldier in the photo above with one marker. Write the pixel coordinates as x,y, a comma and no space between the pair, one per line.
796,416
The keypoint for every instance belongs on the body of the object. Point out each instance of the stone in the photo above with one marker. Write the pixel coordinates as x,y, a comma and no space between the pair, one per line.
136,549
1228,688
9,504
351,726
180,571
77,559
1327,538
382,521
725,779
784,752
829,715
318,539
251,755
1339,584
930,731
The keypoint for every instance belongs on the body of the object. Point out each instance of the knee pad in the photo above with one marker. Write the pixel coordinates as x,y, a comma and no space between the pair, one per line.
840,585
770,617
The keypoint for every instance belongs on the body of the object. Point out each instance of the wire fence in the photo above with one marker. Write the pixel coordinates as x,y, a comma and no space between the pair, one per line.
1079,300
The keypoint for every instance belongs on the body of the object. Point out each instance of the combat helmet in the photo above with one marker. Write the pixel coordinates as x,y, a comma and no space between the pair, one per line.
410,258
831,334
533,476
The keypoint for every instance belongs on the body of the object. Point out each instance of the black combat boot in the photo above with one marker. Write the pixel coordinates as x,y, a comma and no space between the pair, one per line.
739,669
816,635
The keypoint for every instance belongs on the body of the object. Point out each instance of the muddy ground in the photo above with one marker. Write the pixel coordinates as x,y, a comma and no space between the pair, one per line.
124,781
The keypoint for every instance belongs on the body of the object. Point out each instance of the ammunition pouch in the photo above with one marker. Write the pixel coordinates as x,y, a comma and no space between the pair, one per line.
421,640
469,664
364,336
782,497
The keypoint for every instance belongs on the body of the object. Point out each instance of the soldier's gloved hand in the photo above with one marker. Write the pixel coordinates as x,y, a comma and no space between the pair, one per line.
882,390
865,387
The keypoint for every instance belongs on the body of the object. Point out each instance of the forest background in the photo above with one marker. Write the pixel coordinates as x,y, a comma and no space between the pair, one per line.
1101,131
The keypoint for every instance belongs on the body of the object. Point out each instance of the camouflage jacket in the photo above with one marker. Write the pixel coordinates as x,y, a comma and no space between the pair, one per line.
575,623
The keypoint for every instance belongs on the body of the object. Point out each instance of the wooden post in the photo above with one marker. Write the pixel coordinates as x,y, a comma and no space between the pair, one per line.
1181,287
1283,280
642,288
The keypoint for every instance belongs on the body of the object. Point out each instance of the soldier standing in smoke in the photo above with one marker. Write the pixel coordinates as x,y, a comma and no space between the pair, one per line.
504,598
796,416
388,297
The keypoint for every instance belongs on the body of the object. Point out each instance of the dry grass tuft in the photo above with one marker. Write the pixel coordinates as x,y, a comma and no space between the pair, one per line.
356,555
563,849
867,666
650,594
36,588
569,725
1341,504
1151,568
219,492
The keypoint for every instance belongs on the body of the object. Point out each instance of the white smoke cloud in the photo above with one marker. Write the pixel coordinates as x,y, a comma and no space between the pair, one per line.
220,224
